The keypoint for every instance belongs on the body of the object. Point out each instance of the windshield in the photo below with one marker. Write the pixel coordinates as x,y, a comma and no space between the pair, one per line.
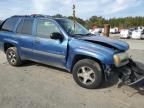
68,26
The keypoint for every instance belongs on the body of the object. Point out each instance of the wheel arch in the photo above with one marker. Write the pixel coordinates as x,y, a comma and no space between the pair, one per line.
8,45
80,57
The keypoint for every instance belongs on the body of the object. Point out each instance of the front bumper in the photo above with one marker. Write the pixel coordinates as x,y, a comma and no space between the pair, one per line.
130,74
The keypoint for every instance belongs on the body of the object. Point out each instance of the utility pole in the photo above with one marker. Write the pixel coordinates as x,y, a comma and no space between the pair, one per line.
74,15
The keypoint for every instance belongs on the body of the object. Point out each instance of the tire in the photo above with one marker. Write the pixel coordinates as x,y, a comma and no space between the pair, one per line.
88,74
13,57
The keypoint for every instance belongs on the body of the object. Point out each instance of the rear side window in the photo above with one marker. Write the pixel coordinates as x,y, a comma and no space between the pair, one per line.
0,23
10,24
19,28
25,26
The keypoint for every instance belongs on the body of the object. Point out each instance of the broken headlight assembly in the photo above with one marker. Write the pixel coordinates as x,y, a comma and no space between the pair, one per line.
121,59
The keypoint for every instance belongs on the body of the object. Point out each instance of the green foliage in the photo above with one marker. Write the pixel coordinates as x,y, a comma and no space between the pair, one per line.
95,21
81,21
126,22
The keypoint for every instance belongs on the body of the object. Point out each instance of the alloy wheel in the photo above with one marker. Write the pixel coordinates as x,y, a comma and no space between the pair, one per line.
86,75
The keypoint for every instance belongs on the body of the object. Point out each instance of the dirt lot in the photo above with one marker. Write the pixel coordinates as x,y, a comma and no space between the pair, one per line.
39,86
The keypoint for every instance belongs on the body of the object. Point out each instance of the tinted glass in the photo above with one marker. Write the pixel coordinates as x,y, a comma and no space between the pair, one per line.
19,28
10,24
27,26
0,22
45,28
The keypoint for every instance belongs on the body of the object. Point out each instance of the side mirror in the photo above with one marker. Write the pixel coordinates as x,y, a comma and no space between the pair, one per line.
56,36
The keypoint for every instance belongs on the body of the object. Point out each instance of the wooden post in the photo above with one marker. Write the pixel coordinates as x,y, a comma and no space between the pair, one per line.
106,30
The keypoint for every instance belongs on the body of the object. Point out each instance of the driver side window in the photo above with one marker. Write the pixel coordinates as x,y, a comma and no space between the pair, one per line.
45,28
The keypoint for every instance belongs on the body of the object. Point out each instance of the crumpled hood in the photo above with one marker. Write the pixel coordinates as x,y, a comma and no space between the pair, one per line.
107,42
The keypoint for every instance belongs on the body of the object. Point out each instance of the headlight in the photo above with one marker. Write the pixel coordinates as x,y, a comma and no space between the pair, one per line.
116,60
121,59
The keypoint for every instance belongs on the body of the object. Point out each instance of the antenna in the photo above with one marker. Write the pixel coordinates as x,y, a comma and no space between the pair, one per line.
74,16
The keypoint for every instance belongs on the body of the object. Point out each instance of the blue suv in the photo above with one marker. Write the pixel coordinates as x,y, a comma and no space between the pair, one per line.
57,42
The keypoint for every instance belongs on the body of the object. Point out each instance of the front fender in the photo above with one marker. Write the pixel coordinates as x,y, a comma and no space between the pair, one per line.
103,57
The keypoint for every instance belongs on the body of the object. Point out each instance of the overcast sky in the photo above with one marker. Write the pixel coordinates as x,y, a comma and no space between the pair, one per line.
84,8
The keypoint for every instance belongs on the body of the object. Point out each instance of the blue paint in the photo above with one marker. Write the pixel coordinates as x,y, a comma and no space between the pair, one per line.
62,54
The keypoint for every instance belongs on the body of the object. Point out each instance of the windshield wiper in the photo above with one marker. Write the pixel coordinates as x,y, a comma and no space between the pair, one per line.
79,34
89,34
84,34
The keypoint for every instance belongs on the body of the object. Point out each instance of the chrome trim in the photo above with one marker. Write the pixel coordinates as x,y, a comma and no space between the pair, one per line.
44,53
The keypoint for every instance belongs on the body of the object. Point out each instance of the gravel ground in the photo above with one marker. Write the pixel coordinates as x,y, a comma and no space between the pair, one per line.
35,85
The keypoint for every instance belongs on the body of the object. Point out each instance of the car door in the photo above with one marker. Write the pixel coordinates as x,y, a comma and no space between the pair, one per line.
25,37
47,50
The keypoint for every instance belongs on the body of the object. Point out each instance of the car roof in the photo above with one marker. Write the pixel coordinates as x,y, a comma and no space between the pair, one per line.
39,16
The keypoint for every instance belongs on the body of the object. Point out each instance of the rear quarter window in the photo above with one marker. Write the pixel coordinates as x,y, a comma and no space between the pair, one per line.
9,24
19,28
0,23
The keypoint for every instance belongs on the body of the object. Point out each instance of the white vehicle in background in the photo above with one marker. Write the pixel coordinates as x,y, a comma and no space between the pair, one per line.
124,34
96,30
114,30
138,34
102,30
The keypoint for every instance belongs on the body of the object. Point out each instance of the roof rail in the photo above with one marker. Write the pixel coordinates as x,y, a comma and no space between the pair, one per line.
21,16
40,15
33,16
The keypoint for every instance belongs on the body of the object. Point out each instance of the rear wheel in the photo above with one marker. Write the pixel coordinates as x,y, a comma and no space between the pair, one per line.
88,74
13,56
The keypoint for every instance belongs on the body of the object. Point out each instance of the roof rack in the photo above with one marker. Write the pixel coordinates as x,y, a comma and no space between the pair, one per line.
33,16
40,15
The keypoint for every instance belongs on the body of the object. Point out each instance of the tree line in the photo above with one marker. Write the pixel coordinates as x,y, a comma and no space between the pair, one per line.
126,22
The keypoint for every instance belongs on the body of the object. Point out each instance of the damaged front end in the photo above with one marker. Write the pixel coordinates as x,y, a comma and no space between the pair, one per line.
130,74
128,71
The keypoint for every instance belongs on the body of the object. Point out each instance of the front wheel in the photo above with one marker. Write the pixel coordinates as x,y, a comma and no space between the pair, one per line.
88,74
13,56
